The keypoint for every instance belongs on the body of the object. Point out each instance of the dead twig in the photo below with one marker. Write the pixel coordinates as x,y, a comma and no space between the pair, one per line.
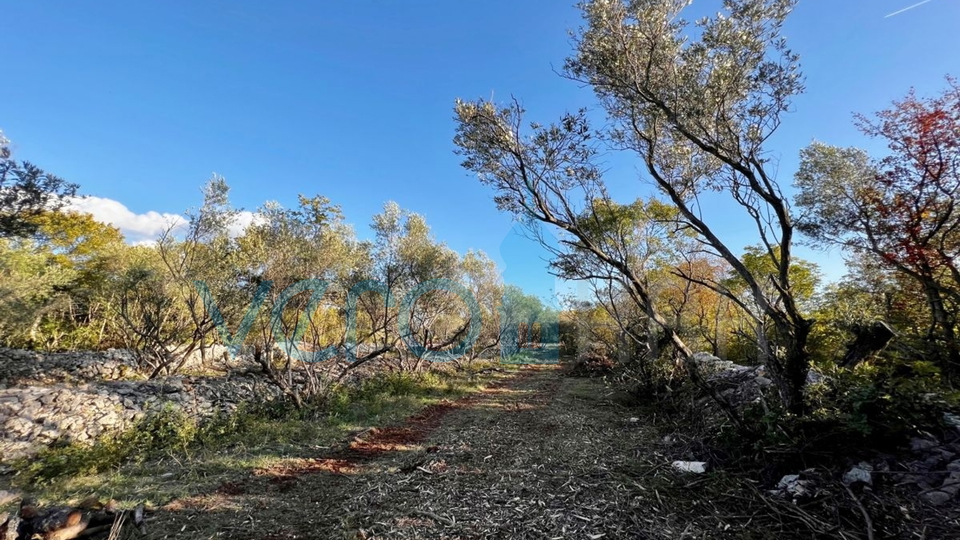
866,515
430,515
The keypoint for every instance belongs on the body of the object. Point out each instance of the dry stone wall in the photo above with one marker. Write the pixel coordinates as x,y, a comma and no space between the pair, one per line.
78,396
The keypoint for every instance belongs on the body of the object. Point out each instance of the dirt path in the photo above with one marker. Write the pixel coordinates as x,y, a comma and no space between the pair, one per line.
535,455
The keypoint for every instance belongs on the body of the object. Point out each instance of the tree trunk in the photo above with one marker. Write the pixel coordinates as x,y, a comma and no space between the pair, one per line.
869,341
796,366
942,332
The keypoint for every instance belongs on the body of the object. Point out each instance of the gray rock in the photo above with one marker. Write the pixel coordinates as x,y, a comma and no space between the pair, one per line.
796,488
711,361
921,445
173,386
936,498
932,461
12,526
73,396
696,467
861,474
952,484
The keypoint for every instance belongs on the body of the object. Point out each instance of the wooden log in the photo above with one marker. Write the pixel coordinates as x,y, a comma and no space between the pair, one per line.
87,522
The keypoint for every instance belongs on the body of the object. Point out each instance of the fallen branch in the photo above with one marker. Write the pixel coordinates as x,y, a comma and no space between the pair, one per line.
866,515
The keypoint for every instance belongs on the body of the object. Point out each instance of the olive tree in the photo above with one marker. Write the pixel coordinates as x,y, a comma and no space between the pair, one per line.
411,317
199,250
698,112
485,284
296,263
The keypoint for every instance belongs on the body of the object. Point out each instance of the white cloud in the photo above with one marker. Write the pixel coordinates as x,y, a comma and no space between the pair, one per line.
137,228
144,229
244,220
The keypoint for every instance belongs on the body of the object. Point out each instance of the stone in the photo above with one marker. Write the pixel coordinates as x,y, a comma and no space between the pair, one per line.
796,488
76,396
921,445
860,474
952,484
173,386
932,461
12,525
787,480
696,467
707,359
7,497
936,498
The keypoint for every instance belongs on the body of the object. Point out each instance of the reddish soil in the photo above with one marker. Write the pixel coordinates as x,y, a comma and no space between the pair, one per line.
414,430
375,442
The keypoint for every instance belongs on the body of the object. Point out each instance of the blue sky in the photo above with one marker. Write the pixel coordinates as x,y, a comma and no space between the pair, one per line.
139,102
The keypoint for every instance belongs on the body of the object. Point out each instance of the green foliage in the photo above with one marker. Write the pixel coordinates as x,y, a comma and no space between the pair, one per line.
898,210
396,384
805,276
697,103
519,307
29,289
875,406
27,191
883,401
842,306
376,395
867,294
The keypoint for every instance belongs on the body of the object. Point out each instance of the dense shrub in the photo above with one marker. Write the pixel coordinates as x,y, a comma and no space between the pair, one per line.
883,402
